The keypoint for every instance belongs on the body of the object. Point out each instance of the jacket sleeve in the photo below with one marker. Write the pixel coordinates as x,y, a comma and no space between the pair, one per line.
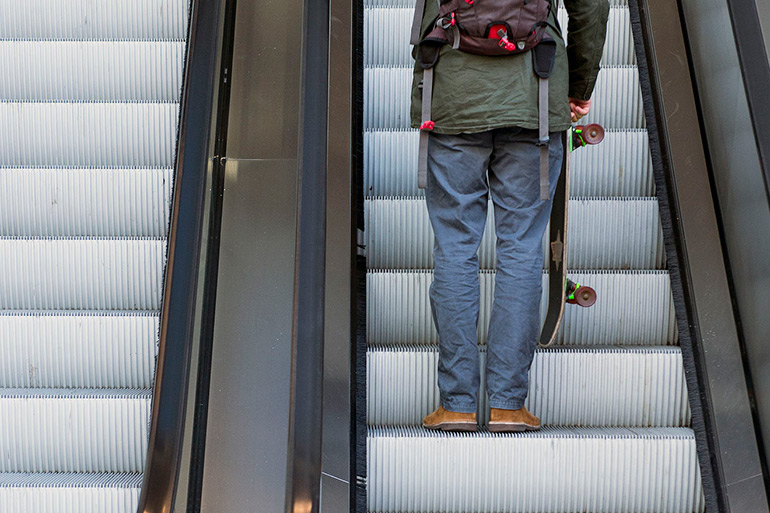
586,32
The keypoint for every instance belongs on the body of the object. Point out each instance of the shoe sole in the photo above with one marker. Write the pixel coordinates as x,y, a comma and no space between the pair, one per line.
511,427
452,426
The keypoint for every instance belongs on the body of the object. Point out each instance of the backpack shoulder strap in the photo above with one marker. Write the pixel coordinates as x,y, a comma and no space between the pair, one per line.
419,10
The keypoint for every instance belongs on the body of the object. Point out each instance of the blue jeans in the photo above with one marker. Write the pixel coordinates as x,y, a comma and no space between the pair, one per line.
459,188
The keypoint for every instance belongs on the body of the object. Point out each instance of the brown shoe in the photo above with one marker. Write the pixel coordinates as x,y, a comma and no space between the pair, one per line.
446,420
512,421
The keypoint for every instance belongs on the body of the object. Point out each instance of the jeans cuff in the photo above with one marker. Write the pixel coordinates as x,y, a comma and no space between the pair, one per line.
458,406
513,404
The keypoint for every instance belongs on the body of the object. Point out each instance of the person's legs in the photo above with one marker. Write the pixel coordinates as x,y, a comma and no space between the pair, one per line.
457,197
520,221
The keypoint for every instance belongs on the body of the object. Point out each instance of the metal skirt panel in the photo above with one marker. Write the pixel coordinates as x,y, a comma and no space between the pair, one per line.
618,167
387,33
616,101
88,134
81,274
77,350
603,234
67,202
642,387
633,308
599,470
92,71
116,20
69,493
49,430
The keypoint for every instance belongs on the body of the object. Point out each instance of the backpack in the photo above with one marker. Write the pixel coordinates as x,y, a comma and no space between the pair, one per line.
486,27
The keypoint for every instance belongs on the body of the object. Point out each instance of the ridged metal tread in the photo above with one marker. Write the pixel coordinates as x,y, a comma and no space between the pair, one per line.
387,32
619,386
410,3
92,71
67,202
587,470
616,101
69,492
78,349
75,430
115,20
81,273
604,233
619,166
88,134
633,308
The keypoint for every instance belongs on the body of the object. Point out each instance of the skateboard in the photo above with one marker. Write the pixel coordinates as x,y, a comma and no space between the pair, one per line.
560,289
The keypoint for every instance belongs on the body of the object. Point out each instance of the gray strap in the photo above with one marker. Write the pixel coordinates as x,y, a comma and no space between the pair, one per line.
422,158
419,10
542,106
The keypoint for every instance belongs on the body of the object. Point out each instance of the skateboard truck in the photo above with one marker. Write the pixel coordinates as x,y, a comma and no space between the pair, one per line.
583,135
580,295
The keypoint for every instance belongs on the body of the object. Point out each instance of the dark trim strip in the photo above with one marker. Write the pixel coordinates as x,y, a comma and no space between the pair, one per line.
306,406
177,321
206,347
755,68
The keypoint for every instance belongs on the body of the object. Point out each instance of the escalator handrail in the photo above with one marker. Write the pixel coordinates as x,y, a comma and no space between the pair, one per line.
177,319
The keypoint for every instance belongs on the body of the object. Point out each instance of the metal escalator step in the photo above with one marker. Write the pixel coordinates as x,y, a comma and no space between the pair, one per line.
633,308
78,349
69,492
55,430
410,3
571,387
88,134
92,71
387,32
599,470
80,273
616,101
67,202
116,20
604,233
619,166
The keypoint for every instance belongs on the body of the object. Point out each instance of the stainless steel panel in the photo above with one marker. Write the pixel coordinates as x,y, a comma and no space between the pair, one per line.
264,100
338,343
738,452
248,417
738,178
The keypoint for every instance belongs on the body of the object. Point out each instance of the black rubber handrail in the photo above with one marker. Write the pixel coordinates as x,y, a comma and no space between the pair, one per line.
306,407
177,320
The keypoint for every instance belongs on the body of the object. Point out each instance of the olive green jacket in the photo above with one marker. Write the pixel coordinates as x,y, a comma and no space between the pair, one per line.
474,93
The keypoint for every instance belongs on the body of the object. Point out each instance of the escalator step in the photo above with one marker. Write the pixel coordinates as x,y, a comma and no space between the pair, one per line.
69,492
594,470
78,349
396,22
577,387
88,134
604,233
104,71
80,273
633,308
72,202
116,20
60,430
619,166
616,100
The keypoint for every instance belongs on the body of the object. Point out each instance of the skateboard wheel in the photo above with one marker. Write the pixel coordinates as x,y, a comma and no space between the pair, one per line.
593,133
585,296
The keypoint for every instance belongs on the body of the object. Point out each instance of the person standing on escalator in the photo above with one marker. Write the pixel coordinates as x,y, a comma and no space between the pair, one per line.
482,142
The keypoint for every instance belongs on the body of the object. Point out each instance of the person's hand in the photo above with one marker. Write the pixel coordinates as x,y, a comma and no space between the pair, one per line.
579,108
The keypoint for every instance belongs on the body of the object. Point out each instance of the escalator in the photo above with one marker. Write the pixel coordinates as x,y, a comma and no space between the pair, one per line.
158,353
611,394
88,125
